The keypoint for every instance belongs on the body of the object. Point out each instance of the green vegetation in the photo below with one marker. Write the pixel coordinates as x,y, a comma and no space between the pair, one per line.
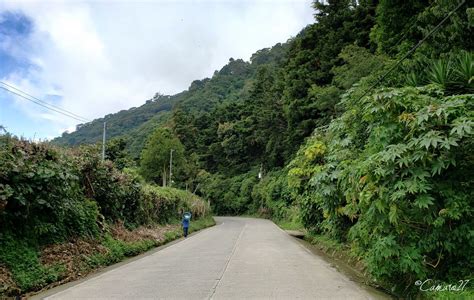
50,196
156,156
125,122
382,177
41,193
118,250
292,224
383,166
23,260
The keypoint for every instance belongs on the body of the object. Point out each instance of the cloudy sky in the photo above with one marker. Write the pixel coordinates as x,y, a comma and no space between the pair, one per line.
98,57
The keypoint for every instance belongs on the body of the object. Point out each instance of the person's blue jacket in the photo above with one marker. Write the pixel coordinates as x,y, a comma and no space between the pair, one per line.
186,219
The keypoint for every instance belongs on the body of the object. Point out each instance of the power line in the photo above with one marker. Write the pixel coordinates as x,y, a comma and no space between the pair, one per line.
52,107
411,24
42,103
46,103
412,50
45,106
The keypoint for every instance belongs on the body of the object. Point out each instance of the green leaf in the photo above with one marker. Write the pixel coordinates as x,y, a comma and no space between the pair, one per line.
393,214
437,167
379,205
424,201
462,127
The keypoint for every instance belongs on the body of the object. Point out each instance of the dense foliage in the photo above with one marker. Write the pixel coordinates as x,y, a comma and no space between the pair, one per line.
54,194
161,150
394,176
41,193
51,195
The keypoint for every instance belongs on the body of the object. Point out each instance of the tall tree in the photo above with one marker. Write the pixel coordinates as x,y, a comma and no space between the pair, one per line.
400,24
395,23
156,156
314,53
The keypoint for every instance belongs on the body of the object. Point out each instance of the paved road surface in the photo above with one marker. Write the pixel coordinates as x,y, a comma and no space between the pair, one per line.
241,258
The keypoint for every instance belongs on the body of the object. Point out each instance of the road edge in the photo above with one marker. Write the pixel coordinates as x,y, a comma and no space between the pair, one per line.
100,271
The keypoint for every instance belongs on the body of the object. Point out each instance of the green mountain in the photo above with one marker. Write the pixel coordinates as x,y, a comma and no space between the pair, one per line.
203,96
120,123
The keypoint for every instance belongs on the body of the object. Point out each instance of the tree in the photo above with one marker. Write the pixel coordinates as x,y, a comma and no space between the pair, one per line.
155,158
312,56
400,24
115,151
395,20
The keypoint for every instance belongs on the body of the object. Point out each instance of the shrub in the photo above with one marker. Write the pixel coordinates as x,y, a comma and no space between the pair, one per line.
49,195
117,193
394,176
164,204
228,196
40,193
273,195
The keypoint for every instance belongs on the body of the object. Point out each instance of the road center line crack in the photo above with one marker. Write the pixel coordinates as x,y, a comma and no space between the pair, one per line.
214,289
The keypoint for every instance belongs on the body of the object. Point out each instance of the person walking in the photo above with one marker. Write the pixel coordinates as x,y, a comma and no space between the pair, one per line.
185,223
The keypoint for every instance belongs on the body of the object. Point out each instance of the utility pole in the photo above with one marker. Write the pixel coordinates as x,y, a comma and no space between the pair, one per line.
103,142
171,165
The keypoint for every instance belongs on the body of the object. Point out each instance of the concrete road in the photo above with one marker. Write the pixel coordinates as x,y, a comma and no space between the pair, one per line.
240,258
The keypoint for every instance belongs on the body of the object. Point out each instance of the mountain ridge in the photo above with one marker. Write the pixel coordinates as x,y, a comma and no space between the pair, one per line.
202,96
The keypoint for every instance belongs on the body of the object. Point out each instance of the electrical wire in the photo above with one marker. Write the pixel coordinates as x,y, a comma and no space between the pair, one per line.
412,50
411,24
70,115
42,103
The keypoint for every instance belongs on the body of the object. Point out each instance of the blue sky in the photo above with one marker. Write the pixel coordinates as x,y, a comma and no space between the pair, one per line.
15,31
95,58
14,26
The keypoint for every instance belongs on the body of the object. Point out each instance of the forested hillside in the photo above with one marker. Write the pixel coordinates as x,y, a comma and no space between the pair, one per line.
356,134
125,122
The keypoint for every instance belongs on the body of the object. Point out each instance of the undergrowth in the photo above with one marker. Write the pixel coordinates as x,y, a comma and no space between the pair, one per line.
23,257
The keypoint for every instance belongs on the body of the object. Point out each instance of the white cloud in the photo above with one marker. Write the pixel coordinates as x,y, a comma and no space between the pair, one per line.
101,57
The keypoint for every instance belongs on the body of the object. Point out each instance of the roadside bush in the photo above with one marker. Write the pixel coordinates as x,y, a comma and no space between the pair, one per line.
229,196
165,204
117,193
269,197
272,195
49,195
40,194
394,175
